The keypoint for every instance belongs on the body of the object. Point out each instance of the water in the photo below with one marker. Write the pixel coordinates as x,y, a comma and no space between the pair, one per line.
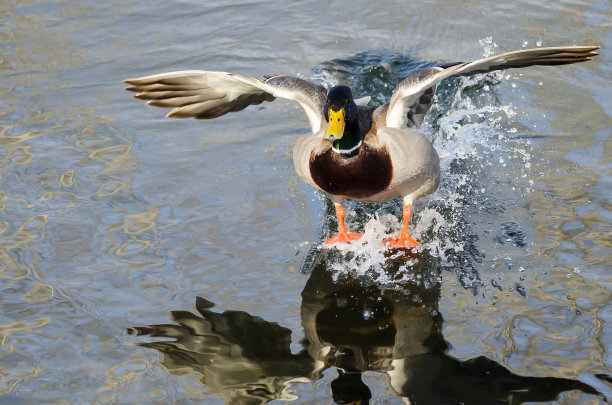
119,228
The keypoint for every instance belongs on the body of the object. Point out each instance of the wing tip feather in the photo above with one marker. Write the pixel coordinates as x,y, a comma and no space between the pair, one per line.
175,114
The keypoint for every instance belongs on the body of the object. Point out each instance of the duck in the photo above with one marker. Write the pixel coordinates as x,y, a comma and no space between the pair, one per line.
354,151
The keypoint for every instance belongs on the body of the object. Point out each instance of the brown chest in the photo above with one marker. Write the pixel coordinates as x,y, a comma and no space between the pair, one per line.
360,176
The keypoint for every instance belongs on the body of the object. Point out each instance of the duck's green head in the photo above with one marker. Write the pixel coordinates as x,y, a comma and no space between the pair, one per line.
342,120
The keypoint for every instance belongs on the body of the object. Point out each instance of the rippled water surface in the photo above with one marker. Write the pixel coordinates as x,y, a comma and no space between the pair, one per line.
146,260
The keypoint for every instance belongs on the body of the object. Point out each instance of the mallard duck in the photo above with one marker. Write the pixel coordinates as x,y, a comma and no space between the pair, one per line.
354,151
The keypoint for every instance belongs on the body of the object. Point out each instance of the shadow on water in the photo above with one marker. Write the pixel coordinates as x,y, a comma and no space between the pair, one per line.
350,324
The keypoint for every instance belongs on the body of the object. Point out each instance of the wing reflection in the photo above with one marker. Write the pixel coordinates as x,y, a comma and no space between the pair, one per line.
242,358
354,326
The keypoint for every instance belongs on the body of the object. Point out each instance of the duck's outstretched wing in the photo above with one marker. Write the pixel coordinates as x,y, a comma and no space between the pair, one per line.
204,95
412,98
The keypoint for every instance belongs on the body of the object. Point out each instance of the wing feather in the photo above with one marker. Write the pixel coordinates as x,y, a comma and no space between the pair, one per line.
206,94
406,99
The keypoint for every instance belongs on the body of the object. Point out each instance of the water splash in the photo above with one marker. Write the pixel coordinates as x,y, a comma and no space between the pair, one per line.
488,46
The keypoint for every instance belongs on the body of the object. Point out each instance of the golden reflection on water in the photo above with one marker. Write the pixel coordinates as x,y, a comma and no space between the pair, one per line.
58,162
53,198
16,153
110,187
576,239
38,292
565,187
9,338
119,376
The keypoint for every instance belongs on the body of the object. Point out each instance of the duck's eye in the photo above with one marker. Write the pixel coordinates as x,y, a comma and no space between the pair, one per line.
346,101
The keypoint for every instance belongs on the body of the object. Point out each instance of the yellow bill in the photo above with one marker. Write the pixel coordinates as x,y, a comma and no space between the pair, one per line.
335,127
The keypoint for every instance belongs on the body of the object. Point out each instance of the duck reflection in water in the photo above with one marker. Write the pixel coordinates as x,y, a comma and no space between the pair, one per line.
354,326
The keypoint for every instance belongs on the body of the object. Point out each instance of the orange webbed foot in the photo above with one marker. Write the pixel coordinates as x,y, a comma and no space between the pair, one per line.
402,241
343,237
